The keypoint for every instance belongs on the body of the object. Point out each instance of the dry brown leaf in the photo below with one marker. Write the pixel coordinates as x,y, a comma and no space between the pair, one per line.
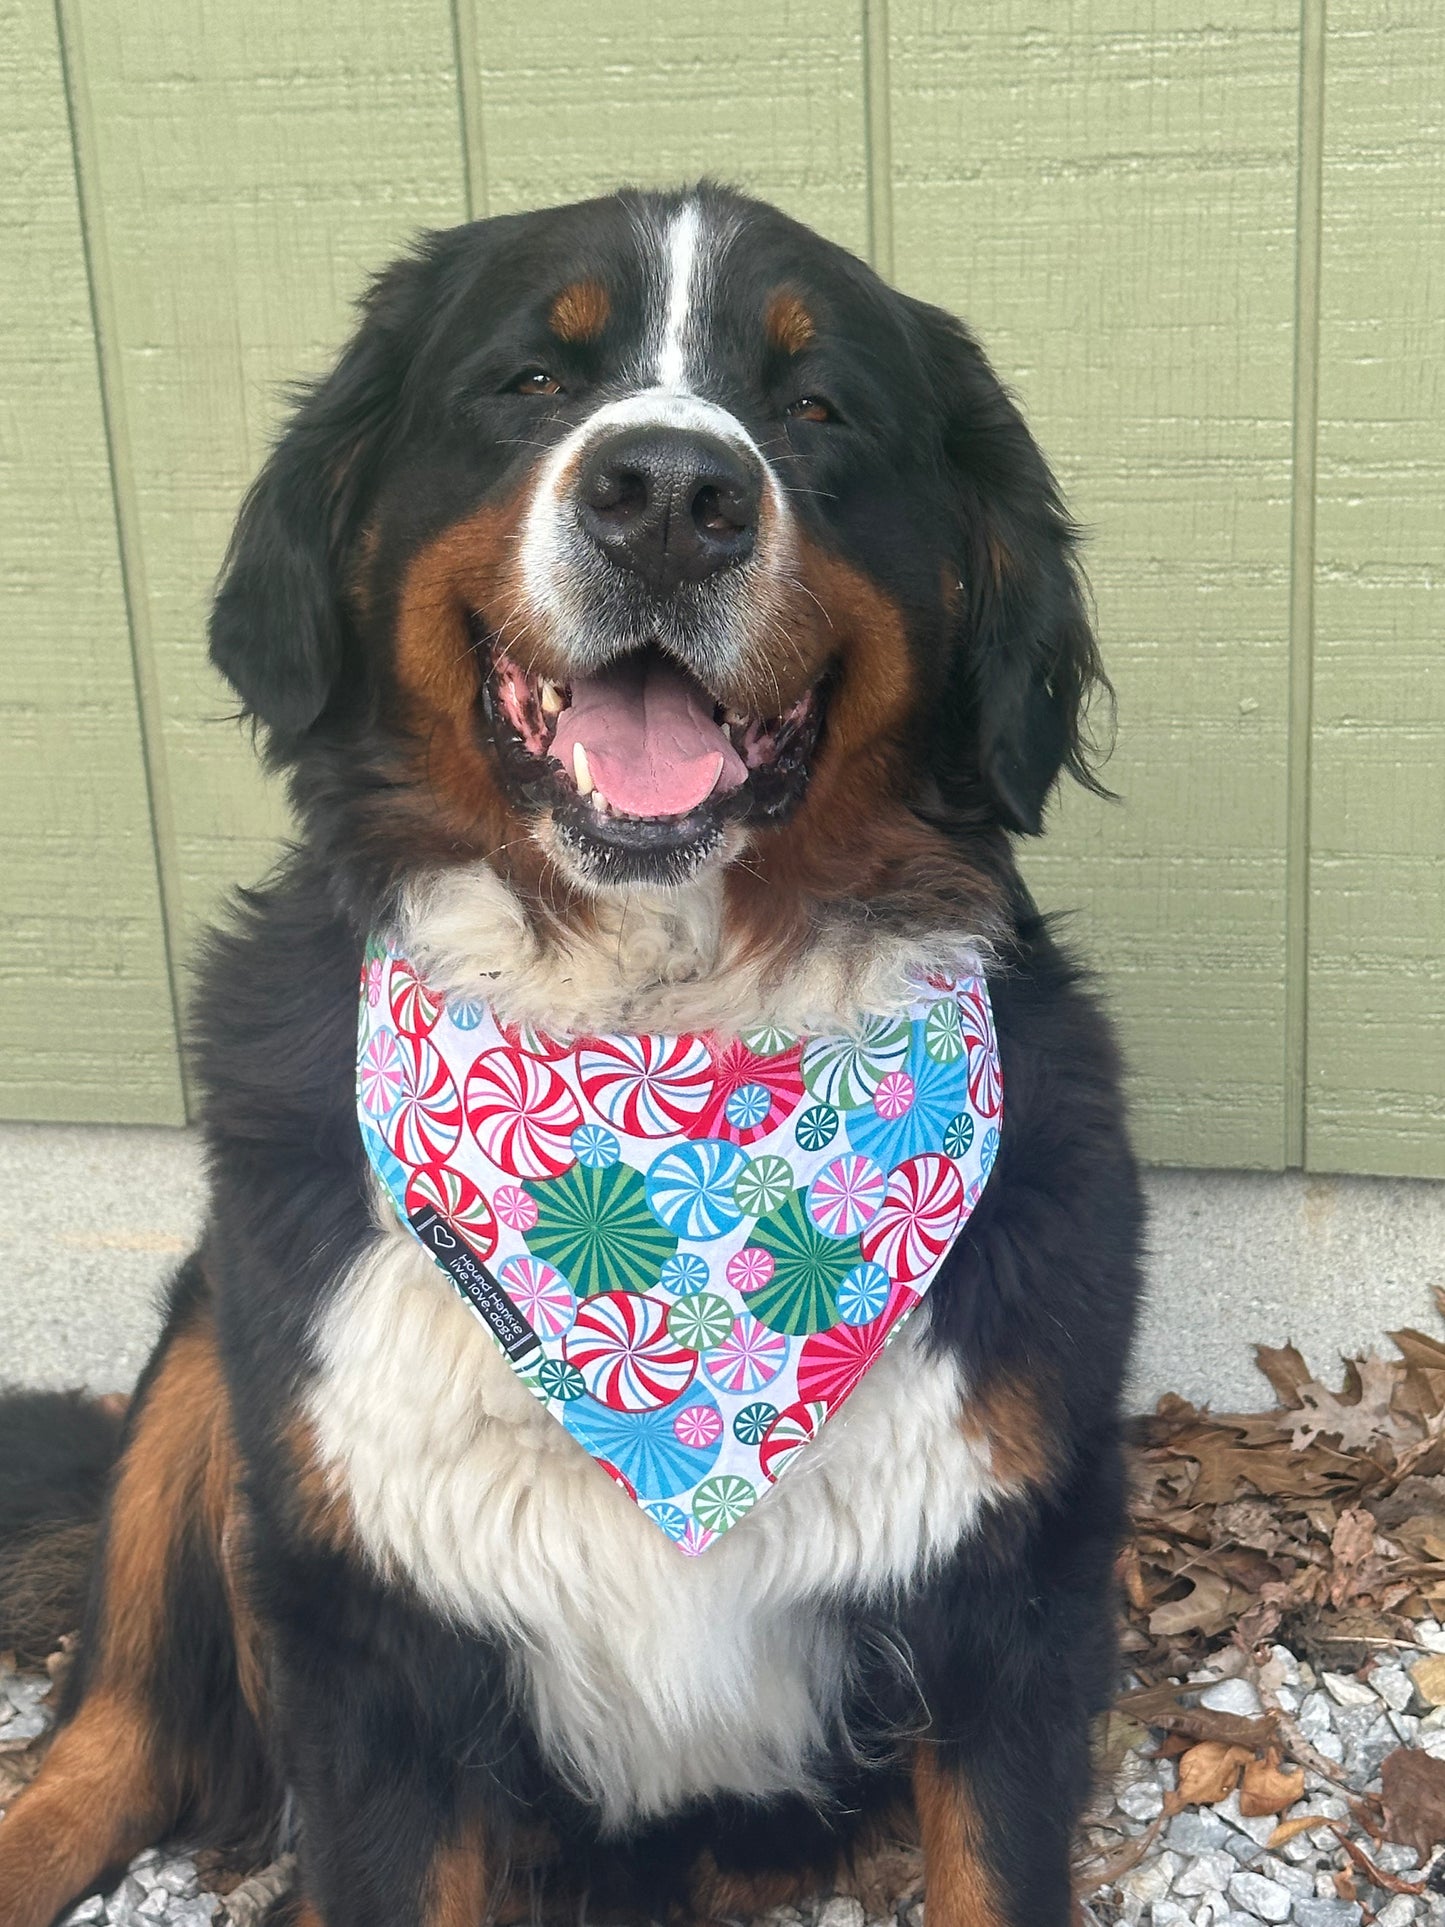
1392,1883
1321,1521
1286,1371
1355,1422
1413,1796
1267,1788
1429,1677
1203,1609
1208,1773
1250,1522
1287,1830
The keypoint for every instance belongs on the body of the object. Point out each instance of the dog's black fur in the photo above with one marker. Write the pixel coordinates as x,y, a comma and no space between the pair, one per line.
393,1732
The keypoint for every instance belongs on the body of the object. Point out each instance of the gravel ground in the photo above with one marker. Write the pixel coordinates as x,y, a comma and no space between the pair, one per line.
1141,1863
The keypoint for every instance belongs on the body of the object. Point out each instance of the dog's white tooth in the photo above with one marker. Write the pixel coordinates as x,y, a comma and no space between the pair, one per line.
600,804
580,772
551,698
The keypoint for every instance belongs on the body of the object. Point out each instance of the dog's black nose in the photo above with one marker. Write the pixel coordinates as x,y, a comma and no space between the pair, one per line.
670,504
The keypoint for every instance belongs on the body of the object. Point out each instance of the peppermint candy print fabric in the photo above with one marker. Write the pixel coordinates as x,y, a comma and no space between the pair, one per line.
691,1248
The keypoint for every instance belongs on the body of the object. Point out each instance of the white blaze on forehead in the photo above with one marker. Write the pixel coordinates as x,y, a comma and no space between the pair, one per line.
670,367
680,252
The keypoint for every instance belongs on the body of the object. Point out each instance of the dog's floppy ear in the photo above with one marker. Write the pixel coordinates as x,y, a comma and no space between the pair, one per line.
1025,662
277,623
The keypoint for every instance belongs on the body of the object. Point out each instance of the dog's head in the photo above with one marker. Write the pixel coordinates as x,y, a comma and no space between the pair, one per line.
650,533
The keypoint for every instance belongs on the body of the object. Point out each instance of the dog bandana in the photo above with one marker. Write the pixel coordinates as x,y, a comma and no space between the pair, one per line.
691,1248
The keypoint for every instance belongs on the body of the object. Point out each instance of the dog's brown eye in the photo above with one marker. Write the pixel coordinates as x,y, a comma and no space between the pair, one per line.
810,408
537,381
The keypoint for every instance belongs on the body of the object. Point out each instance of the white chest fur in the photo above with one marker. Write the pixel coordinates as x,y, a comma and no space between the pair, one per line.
653,1679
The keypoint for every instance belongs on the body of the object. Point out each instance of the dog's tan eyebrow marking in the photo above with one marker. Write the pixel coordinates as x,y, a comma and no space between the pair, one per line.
790,326
580,311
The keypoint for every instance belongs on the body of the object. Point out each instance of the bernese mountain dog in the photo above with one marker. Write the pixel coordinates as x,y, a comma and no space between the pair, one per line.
664,627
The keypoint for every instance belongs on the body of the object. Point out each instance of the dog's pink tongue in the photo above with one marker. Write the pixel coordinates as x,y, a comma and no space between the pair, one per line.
652,745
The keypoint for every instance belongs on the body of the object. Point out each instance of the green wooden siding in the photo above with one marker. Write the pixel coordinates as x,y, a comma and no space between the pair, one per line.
1376,993
1203,246
85,1001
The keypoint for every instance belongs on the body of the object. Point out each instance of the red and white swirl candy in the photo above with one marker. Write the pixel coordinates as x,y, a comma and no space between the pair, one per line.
917,1219
646,1085
457,1201
832,1362
789,1432
425,1126
536,1043
415,1007
521,1113
621,1346
985,1075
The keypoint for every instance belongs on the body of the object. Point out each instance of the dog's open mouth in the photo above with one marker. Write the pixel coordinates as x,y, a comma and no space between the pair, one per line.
641,757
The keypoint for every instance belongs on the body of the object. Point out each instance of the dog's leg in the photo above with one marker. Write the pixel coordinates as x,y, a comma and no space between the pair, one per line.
1014,1659
123,1766
393,1878
961,1887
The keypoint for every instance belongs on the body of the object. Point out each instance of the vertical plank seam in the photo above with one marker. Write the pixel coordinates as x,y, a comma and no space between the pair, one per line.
878,133
467,51
123,505
1308,249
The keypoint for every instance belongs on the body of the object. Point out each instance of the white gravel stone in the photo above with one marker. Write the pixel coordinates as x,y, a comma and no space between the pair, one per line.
128,1895
1394,1857
1430,1635
1142,1801
1258,1828
1260,1896
1327,1913
1196,1831
1329,1803
1364,1757
1346,1691
1280,1669
1148,1882
1232,1696
194,1913
1394,1686
178,1877
87,1911
1169,1913
1206,1873
1398,1911
842,1912
24,1726
1295,1879
1432,1743
1316,1715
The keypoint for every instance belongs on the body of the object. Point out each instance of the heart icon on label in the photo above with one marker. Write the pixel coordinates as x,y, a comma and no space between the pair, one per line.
442,1238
